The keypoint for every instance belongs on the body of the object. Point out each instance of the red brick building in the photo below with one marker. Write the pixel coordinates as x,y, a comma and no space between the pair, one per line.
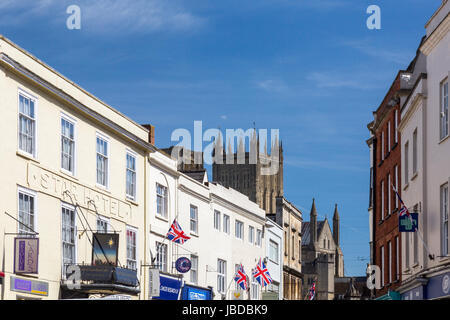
386,173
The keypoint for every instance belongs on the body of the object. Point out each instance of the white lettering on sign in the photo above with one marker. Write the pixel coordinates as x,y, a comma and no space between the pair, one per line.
53,184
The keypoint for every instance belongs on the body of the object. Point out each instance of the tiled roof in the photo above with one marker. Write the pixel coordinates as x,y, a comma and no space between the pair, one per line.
196,175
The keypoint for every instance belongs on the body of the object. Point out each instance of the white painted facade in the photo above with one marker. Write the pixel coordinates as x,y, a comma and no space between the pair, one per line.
210,241
36,184
425,190
274,256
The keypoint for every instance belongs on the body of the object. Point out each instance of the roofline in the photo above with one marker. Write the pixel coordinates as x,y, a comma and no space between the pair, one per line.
2,37
444,2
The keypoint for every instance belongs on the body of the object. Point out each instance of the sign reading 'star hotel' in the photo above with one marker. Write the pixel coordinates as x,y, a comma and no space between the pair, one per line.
26,255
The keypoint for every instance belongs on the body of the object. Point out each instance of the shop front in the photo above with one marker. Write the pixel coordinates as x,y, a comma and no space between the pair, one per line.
435,287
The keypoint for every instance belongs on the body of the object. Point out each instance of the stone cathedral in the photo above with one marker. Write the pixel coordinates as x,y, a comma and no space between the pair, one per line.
248,176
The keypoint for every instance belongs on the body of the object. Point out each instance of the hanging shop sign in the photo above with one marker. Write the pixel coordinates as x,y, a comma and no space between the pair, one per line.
26,254
408,224
195,293
39,288
183,265
105,248
237,295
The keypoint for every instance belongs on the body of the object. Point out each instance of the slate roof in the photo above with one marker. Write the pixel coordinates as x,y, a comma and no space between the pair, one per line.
306,232
198,175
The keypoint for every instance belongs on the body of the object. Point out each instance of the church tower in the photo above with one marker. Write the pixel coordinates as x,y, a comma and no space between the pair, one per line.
246,171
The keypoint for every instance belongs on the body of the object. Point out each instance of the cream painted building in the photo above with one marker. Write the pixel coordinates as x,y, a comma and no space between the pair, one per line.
426,171
224,226
70,165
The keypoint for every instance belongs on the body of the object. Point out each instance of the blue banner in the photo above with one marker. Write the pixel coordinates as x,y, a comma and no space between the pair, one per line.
195,293
169,288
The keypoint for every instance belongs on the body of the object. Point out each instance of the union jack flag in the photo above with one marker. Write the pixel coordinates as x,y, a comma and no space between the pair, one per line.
403,210
176,234
241,278
261,274
312,291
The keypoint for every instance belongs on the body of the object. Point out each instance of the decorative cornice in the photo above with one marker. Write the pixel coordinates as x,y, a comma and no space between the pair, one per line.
433,40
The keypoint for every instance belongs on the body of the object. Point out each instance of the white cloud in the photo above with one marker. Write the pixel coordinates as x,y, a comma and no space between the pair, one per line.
272,85
107,16
391,54
342,80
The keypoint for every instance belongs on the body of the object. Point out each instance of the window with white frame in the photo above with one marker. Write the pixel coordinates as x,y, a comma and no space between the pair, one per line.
389,137
239,230
67,145
194,269
251,235
27,212
217,220
221,275
444,109
236,285
396,186
382,200
382,145
27,124
255,289
389,194
258,238
390,261
131,176
102,161
444,219
226,224
407,246
397,259
161,256
102,225
382,266
161,200
396,127
194,219
414,159
68,233
131,248
406,162
273,251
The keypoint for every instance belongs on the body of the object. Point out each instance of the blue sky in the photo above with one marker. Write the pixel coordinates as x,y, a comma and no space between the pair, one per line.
309,68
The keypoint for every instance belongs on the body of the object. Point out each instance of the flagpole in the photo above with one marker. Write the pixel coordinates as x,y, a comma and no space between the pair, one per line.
431,256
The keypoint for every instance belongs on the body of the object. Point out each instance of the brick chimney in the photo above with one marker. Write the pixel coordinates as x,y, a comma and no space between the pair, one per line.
151,133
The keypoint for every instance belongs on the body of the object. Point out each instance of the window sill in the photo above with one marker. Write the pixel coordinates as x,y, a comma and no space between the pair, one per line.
132,201
405,186
68,174
103,188
443,139
194,234
27,156
414,175
442,258
161,218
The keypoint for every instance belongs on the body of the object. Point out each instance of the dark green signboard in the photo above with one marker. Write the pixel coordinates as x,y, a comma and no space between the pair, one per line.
408,223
